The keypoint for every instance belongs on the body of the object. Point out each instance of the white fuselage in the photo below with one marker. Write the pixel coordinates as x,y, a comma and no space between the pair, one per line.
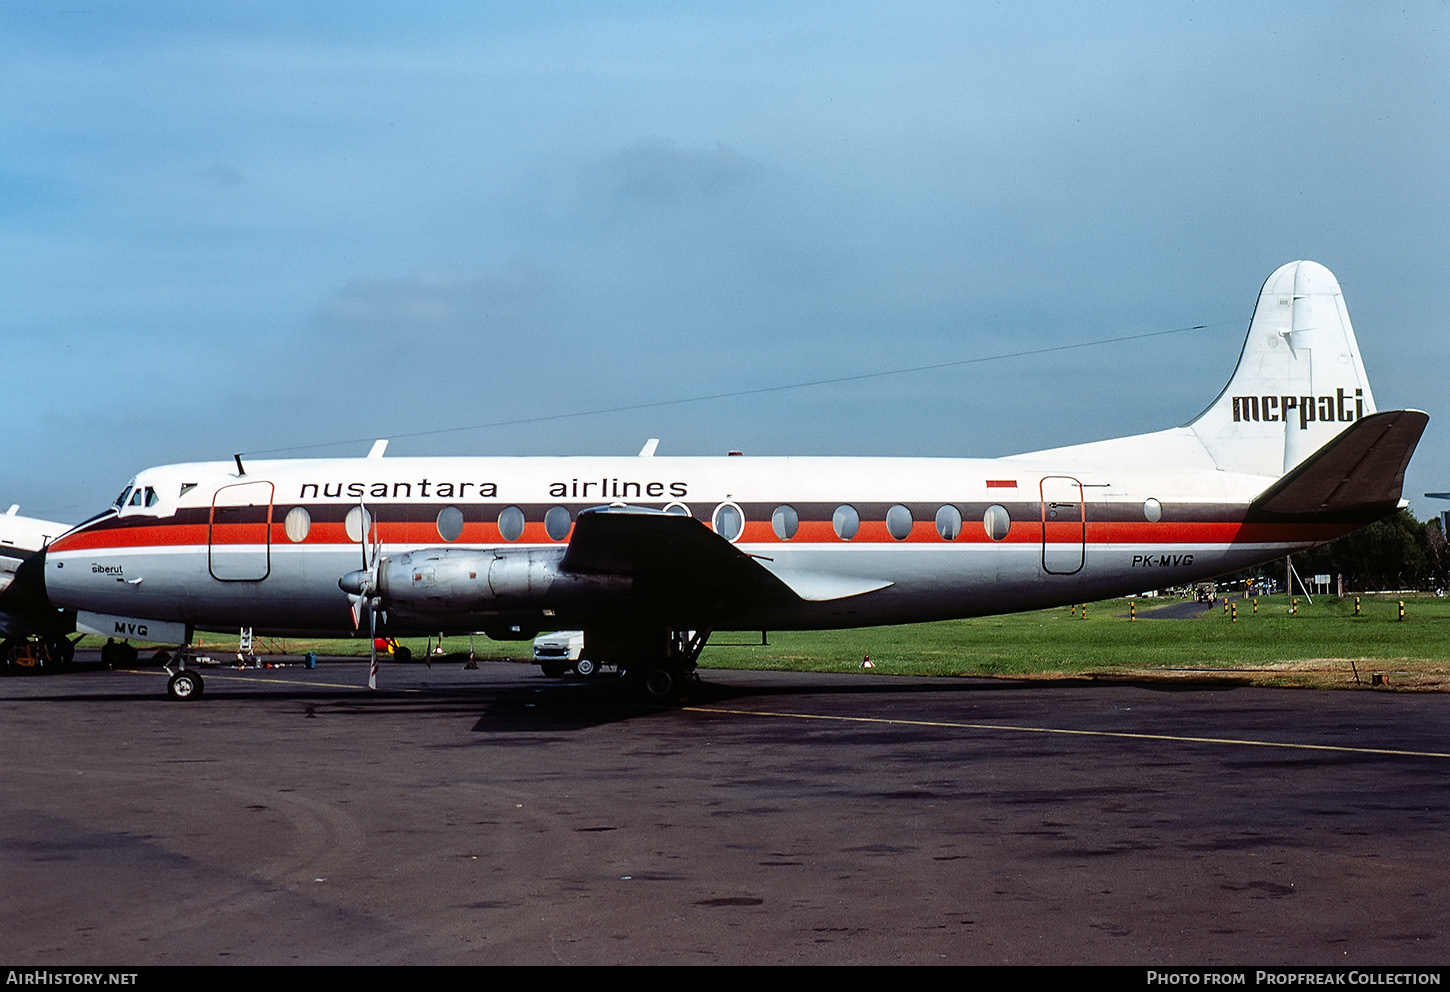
934,538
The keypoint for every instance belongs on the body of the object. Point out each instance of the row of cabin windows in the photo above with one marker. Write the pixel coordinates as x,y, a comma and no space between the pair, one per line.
846,522
728,521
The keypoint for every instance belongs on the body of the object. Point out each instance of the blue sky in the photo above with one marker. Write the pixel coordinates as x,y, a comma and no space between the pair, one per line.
288,224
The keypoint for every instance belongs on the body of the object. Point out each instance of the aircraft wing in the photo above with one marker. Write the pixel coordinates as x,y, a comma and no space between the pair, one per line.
1360,471
670,557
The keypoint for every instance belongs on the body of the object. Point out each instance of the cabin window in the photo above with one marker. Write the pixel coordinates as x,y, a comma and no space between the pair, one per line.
898,522
785,521
1152,510
297,524
511,523
845,521
996,522
557,523
358,523
678,510
949,522
728,521
450,523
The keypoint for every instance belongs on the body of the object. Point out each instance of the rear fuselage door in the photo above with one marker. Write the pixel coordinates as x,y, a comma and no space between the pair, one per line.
240,532
1064,525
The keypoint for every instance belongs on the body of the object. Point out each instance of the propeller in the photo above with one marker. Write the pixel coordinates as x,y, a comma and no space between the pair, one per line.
363,588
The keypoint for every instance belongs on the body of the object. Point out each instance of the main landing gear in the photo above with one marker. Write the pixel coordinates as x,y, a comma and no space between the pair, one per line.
662,679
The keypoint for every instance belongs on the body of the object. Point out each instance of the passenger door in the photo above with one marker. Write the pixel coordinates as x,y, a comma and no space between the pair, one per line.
239,534
1064,525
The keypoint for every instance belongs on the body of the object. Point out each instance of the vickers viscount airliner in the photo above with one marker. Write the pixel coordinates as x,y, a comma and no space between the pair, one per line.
649,555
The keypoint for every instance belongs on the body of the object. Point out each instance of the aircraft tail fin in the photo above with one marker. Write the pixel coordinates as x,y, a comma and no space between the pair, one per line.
1362,471
1299,381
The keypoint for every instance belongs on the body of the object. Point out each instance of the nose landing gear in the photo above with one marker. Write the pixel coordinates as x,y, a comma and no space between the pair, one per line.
184,684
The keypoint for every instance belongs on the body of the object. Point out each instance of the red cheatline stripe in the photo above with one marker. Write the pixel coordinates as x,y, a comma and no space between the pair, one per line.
811,533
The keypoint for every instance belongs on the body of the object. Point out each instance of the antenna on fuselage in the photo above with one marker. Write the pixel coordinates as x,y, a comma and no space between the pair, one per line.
240,470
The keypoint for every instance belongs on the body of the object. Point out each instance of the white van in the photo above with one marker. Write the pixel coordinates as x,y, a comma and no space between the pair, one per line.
560,651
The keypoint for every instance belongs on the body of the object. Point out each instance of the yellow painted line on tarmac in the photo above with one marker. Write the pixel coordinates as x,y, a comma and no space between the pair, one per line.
209,675
1079,733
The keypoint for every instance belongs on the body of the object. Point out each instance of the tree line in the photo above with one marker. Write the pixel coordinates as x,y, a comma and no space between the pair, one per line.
1398,552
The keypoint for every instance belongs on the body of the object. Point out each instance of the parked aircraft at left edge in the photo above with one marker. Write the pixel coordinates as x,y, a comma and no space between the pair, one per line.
649,555
24,612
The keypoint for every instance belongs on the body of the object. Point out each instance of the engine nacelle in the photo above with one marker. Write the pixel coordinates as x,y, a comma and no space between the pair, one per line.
466,580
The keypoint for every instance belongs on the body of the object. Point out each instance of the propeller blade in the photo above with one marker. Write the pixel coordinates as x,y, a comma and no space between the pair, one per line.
373,647
362,585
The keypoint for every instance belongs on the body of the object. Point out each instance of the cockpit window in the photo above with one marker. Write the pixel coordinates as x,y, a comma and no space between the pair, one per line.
140,497
125,495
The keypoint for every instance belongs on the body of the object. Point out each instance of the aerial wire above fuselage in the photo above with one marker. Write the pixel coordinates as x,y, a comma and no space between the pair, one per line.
733,394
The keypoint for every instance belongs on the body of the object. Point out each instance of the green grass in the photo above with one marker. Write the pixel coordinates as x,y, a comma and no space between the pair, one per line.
1323,645
1314,647
1058,641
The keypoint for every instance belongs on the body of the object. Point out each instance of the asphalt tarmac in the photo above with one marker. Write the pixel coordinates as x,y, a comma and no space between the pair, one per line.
493,816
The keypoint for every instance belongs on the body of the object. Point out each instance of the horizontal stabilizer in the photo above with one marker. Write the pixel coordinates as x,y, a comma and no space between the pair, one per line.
1362,471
